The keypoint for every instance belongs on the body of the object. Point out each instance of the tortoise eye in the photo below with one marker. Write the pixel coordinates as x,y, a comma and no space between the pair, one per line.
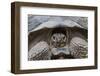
63,37
54,37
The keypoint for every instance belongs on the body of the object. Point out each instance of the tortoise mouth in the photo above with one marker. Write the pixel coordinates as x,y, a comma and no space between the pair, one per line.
58,44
